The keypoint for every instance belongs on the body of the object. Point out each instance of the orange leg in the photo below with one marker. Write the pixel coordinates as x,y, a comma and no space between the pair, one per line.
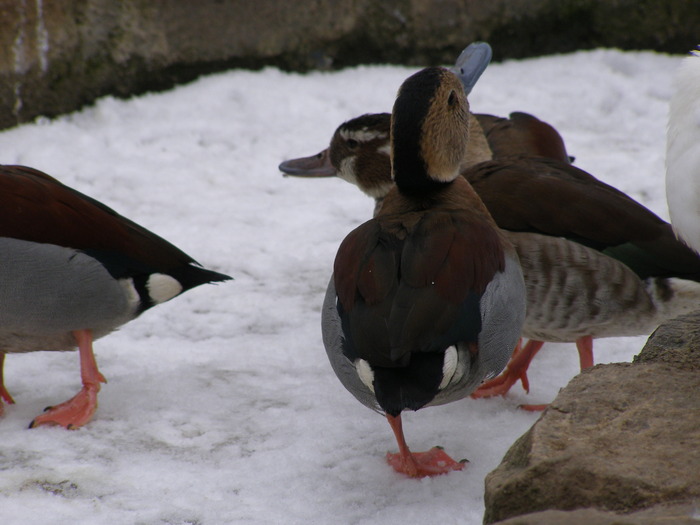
419,464
78,410
515,370
4,394
584,345
533,408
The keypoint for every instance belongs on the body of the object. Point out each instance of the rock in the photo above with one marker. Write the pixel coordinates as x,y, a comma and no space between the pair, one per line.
619,438
687,514
676,342
57,56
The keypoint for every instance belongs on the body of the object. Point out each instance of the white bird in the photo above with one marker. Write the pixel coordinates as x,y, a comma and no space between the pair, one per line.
683,152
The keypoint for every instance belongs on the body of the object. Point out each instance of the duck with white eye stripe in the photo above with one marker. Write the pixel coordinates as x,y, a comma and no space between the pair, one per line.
596,262
427,299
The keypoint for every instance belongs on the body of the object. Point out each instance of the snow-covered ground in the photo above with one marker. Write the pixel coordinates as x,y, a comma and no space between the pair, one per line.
221,406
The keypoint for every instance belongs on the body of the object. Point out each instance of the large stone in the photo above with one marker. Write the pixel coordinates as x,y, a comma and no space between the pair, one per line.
685,514
58,55
676,342
619,438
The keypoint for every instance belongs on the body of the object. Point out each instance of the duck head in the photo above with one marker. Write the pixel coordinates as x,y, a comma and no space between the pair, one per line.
359,153
360,150
429,131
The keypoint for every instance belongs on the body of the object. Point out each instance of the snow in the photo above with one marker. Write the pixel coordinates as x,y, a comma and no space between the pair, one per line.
221,406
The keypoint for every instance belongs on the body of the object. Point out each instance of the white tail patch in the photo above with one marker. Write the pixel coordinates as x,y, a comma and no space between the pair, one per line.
449,366
132,296
365,372
162,287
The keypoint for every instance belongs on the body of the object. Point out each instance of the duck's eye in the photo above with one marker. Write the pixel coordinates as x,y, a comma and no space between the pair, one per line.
452,99
352,143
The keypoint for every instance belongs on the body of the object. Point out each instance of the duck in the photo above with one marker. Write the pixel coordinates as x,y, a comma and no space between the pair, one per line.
490,136
361,144
359,154
596,263
426,299
683,152
72,271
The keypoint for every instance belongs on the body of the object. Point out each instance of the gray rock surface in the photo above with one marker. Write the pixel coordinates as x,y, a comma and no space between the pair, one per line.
619,438
686,514
676,342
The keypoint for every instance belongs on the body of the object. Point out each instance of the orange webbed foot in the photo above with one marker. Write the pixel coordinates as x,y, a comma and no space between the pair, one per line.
6,397
78,410
419,464
73,413
515,371
501,385
434,462
533,408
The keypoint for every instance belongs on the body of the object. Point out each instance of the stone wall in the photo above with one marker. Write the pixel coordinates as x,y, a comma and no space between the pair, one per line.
57,55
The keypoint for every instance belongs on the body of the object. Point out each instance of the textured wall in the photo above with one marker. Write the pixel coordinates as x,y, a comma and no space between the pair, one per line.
57,55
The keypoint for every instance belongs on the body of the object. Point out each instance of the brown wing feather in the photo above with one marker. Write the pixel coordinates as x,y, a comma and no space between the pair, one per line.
38,208
540,195
523,134
455,252
526,194
362,267
415,287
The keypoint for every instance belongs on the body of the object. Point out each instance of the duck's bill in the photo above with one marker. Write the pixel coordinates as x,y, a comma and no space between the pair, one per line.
471,63
318,165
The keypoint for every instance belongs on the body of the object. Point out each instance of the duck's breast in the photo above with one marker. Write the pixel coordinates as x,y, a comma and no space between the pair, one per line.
46,291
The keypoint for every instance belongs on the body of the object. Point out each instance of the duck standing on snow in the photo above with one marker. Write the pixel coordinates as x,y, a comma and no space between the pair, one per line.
72,270
427,299
683,152
596,263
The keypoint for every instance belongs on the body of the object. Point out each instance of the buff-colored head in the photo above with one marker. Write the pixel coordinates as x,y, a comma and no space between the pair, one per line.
429,130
